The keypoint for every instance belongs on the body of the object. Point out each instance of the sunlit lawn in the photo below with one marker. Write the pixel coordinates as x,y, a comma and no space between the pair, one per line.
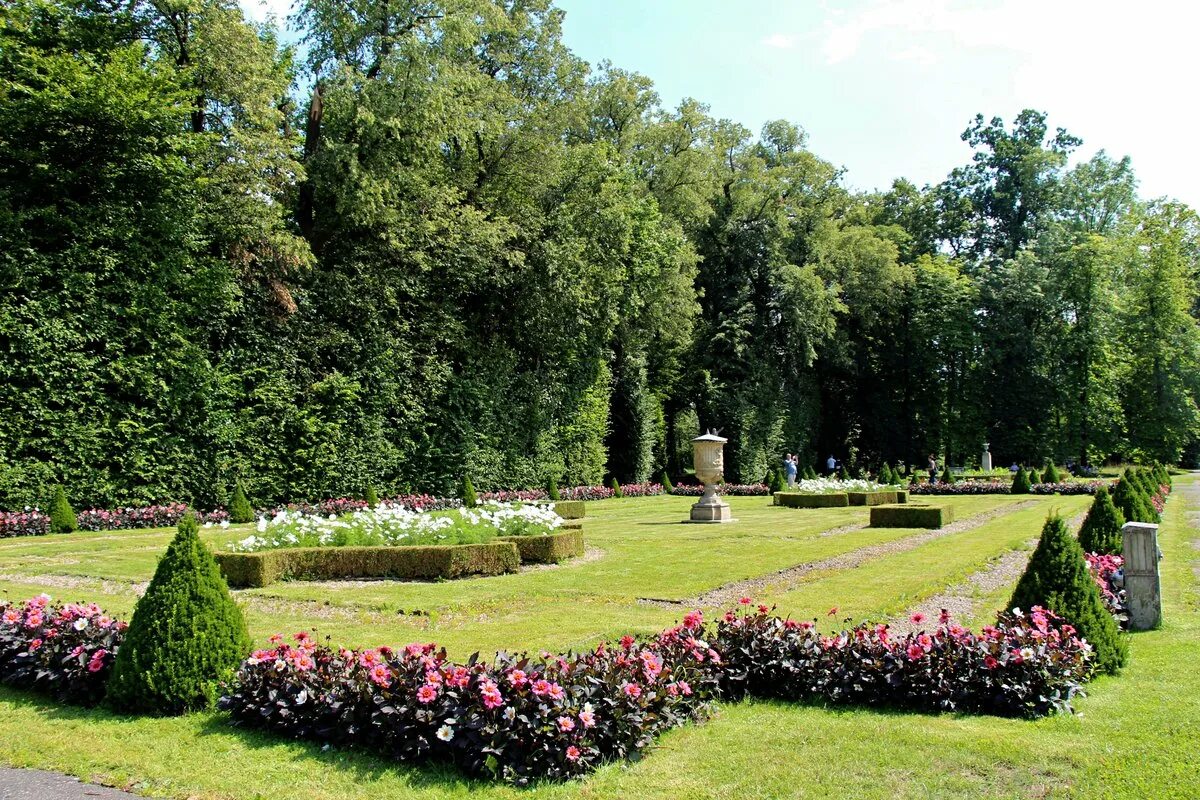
1136,738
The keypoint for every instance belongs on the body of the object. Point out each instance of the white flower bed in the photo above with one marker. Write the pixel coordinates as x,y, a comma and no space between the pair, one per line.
832,485
395,525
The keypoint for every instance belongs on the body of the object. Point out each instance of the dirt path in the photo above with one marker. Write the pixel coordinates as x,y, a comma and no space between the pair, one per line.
787,579
963,600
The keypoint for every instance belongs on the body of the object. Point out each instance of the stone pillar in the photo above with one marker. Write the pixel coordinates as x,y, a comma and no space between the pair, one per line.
1143,594
985,461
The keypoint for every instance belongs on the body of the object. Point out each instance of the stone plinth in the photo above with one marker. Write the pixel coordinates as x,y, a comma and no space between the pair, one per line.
1142,588
985,461
707,512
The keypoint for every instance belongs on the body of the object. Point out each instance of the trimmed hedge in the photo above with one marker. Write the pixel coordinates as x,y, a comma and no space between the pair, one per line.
254,570
570,509
911,516
884,497
549,549
799,500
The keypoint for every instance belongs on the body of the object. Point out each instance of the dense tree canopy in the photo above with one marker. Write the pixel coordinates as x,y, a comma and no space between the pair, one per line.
443,245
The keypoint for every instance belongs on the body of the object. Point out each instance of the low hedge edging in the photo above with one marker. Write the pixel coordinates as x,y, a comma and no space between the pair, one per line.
799,500
911,516
549,549
879,498
255,570
570,509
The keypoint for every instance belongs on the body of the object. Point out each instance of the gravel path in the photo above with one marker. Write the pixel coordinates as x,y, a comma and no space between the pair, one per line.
963,600
787,579
30,784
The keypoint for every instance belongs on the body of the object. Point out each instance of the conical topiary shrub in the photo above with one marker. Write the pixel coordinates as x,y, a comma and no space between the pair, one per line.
1034,477
947,475
1050,474
1057,578
552,491
616,487
239,507
371,497
844,475
62,516
665,480
1020,484
777,484
1101,531
810,474
467,495
886,475
186,636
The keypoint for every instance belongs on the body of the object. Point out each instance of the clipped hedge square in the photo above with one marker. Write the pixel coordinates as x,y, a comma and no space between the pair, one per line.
911,516
879,498
800,500
549,549
254,570
570,509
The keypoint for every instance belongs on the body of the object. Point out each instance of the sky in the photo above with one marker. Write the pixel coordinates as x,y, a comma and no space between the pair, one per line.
885,88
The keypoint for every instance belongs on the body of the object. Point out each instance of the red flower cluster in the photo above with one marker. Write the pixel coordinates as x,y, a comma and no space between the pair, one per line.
30,522
65,651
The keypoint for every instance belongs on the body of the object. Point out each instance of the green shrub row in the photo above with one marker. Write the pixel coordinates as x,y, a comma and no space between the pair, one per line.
253,570
911,516
885,497
570,509
800,500
549,549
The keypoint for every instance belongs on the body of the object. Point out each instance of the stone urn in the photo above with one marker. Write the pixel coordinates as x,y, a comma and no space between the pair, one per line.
709,454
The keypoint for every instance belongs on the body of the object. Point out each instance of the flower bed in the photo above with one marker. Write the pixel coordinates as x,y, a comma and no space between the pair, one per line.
1109,574
970,487
396,526
30,522
727,489
65,651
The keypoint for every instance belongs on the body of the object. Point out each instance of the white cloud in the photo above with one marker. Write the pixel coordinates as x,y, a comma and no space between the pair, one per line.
917,55
780,41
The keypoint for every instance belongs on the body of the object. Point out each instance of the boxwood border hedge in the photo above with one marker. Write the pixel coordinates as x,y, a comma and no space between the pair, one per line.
255,570
570,509
801,500
878,498
550,548
911,515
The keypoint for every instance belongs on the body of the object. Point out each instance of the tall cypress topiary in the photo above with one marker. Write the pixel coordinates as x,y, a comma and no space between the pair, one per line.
947,475
1101,531
469,499
239,508
810,474
665,480
186,636
1020,484
1057,578
886,476
371,497
1050,474
62,516
844,475
552,491
616,487
1034,477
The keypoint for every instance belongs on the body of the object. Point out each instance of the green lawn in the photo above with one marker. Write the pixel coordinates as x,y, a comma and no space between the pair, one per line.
1136,737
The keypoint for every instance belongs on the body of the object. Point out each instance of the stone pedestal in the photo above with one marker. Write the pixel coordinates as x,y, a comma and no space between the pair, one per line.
1142,589
985,461
711,513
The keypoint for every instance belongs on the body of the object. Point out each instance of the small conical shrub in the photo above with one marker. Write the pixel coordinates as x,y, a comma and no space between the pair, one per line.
947,475
844,474
371,496
1101,531
1034,477
778,484
1137,478
886,476
616,487
665,480
552,491
810,474
1050,474
1057,578
239,508
467,495
1021,484
62,516
186,636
